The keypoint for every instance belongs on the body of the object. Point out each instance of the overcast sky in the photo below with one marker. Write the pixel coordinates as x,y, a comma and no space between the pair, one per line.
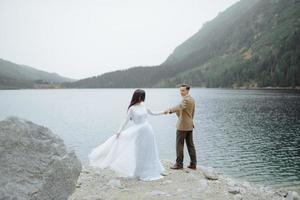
82,38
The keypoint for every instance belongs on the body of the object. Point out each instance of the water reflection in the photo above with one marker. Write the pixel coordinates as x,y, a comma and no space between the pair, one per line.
249,134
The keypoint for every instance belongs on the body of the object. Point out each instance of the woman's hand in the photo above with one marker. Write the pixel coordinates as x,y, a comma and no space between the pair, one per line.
167,111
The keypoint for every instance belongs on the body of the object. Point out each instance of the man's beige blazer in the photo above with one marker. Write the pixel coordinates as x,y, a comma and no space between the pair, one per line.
185,112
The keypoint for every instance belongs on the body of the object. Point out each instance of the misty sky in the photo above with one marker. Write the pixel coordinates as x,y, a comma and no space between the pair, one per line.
82,38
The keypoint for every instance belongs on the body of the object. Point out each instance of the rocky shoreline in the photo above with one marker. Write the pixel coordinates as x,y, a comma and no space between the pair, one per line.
35,164
203,183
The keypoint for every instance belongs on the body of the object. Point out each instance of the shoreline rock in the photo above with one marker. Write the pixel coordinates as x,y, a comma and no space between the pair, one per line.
35,164
96,184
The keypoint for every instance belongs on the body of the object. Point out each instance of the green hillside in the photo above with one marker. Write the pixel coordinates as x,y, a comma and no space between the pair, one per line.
14,76
254,43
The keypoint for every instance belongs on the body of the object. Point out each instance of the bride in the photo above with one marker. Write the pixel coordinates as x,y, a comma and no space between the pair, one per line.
132,152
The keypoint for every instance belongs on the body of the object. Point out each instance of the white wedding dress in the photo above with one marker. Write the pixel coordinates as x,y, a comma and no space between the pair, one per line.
134,154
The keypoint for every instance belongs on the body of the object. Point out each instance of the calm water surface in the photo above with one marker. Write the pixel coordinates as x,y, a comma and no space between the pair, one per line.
252,135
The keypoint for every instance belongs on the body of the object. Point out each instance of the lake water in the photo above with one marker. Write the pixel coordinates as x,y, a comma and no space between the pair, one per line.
252,135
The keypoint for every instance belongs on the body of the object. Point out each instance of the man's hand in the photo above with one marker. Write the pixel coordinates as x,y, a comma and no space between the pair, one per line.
167,112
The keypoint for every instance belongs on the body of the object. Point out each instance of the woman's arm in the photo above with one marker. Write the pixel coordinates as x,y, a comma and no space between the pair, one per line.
125,122
150,112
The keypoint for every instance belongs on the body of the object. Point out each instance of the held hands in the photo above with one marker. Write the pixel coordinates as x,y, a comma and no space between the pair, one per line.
167,111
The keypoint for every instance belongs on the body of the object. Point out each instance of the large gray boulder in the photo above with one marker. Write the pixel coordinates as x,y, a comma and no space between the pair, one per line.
34,163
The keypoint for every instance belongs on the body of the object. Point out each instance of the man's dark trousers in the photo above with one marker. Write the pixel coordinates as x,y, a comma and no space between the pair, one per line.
188,137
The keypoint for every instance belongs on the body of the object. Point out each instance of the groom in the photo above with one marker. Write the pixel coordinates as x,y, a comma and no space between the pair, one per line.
185,112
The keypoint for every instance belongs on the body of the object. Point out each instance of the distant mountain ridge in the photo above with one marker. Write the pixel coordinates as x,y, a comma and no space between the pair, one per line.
254,43
14,76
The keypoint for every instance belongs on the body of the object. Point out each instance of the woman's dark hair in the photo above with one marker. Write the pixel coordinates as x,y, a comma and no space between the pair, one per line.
138,96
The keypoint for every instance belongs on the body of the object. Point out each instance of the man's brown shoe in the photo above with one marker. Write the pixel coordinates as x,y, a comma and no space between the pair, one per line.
176,167
192,166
